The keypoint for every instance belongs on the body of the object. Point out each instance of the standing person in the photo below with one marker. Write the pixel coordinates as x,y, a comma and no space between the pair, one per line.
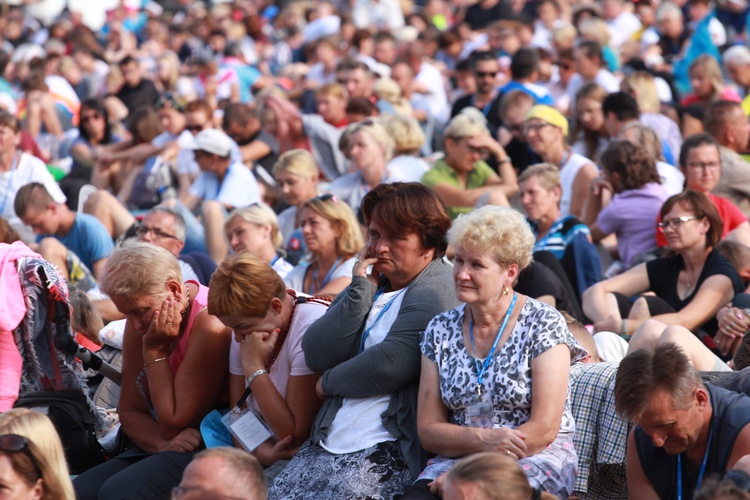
494,370
332,238
685,430
174,371
546,130
364,442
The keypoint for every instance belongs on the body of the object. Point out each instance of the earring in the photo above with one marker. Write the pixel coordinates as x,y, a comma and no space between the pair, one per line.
505,290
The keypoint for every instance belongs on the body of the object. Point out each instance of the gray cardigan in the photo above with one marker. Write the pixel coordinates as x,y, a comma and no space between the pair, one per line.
331,347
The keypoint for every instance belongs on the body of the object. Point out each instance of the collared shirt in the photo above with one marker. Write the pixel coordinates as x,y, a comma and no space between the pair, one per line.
442,173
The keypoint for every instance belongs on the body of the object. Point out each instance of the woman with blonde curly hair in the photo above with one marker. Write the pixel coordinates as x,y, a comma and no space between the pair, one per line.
495,369
254,229
332,238
44,450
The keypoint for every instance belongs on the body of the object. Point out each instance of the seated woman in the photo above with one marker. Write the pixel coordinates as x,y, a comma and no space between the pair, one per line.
332,238
462,179
408,138
541,191
43,470
94,130
690,286
174,371
266,355
297,176
254,230
590,135
495,370
629,175
364,441
707,82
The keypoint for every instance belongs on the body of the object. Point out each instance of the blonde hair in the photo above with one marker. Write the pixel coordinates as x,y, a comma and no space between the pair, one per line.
501,232
406,133
259,214
332,89
376,132
388,90
337,213
174,68
642,86
297,162
496,476
546,174
564,34
37,428
713,71
596,29
464,125
139,269
243,285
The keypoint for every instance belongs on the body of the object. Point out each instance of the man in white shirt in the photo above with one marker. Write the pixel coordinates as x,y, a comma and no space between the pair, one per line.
622,23
221,187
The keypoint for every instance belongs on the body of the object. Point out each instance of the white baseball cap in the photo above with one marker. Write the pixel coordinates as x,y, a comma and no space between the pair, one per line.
211,140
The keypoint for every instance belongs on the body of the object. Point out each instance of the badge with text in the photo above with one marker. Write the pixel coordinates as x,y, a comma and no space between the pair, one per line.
247,428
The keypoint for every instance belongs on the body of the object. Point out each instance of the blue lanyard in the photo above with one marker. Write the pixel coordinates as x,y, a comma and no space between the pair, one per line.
10,182
490,356
380,315
325,280
275,259
700,474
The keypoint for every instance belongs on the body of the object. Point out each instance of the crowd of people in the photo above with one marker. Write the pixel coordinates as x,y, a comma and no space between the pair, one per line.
375,249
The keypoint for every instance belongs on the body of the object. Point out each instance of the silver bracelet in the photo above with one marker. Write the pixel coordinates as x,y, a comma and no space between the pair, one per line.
254,376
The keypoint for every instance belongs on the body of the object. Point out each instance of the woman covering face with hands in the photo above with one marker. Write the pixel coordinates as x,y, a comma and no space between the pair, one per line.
266,355
174,372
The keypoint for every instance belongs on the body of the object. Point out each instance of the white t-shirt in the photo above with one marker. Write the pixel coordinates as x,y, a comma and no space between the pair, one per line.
291,359
568,174
27,170
671,178
358,424
436,95
296,277
603,78
623,27
406,168
238,188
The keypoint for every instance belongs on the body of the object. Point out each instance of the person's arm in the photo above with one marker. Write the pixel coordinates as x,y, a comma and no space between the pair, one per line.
594,202
632,282
740,234
581,187
507,178
335,286
82,154
190,200
182,399
440,436
254,151
98,267
639,487
549,391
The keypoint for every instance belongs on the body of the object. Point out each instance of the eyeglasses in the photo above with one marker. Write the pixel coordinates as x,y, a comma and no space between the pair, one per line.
178,492
699,165
144,230
535,127
676,222
13,443
485,74
517,127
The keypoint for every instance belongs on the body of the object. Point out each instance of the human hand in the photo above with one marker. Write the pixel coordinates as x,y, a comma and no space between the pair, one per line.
612,323
256,349
438,485
599,185
365,259
319,389
164,328
485,141
503,440
283,450
184,442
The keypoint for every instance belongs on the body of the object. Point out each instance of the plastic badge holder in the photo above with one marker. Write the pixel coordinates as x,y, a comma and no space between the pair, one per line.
247,427
480,414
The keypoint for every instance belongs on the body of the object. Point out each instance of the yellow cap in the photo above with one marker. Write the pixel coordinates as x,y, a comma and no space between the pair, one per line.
550,115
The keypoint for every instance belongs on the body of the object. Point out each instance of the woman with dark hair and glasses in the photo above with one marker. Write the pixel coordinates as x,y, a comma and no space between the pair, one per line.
690,285
94,130
174,372
332,238
32,460
364,442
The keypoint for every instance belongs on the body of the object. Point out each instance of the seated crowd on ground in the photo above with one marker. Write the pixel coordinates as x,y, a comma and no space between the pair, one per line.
374,249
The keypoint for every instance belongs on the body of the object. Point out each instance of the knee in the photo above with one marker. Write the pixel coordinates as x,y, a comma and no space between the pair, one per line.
95,201
648,332
674,334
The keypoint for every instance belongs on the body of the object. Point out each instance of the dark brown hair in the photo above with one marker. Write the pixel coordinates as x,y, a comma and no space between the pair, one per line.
402,208
701,206
634,165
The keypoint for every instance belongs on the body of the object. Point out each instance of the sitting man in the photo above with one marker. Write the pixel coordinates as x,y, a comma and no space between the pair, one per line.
165,227
686,430
76,243
222,472
222,186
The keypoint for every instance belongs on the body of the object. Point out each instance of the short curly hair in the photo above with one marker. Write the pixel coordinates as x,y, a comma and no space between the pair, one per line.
501,232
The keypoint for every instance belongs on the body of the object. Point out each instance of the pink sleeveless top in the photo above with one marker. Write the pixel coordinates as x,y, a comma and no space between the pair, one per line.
199,304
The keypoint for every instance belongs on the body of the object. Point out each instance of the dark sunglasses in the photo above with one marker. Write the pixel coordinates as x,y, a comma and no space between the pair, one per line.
485,74
13,443
194,128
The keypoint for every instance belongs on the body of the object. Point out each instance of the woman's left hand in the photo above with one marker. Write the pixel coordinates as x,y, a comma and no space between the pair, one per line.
256,349
438,485
611,323
733,324
164,328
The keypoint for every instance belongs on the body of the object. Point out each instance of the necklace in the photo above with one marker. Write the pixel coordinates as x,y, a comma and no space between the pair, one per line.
187,309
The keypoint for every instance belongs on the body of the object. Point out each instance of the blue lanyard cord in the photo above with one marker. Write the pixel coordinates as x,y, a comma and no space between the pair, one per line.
10,181
700,474
275,259
325,280
367,331
482,367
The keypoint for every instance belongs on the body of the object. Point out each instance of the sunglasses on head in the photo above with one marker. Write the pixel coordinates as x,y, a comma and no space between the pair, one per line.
13,443
327,197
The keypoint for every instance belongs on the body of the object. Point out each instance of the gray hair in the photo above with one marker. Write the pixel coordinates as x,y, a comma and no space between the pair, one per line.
245,472
668,9
139,269
738,54
180,229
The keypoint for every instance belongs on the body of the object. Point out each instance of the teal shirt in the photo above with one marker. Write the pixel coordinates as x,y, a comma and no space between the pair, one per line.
442,173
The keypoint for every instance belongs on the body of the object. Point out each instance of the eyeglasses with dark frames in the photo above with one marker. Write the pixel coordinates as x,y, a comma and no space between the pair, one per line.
143,230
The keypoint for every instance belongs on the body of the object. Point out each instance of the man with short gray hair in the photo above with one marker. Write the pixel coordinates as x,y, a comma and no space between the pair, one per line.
165,228
685,430
222,472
